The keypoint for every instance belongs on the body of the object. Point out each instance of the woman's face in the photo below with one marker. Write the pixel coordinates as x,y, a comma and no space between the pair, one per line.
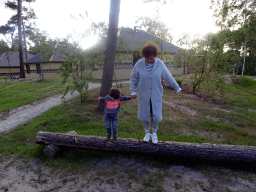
150,59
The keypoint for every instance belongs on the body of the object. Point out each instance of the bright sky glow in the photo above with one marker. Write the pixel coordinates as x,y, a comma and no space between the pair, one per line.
61,18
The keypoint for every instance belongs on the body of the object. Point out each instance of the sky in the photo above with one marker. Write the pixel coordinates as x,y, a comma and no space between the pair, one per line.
60,18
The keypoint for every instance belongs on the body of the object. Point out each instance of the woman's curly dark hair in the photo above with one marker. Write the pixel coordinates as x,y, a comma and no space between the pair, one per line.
115,93
149,49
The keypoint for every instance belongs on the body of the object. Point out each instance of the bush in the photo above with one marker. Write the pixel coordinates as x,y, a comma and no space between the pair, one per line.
234,79
179,81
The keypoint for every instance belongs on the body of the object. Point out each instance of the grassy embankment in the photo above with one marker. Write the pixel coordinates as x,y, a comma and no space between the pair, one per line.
17,93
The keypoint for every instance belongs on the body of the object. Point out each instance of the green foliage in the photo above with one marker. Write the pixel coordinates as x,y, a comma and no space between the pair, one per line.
201,57
179,81
27,14
3,46
237,19
155,27
39,41
78,68
234,79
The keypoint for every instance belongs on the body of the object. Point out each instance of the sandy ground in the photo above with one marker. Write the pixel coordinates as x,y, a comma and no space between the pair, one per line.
122,174
113,174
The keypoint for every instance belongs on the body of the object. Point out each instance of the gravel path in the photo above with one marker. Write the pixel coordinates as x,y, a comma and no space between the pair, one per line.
28,112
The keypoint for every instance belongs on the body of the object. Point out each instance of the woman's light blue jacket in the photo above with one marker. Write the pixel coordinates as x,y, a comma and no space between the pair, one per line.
148,86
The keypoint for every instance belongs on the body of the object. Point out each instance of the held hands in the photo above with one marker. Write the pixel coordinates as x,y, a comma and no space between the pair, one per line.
133,96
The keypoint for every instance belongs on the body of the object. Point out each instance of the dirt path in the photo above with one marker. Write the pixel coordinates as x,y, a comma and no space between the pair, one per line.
23,114
122,174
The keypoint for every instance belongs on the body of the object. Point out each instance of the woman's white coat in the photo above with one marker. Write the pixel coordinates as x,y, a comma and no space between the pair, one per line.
148,86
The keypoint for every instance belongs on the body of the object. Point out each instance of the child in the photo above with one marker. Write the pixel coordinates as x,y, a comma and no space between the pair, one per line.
112,108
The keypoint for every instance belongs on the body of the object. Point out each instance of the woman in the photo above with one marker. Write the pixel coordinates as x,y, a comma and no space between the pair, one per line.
146,80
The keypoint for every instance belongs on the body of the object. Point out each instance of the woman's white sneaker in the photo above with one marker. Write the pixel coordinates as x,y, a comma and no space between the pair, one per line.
154,138
147,137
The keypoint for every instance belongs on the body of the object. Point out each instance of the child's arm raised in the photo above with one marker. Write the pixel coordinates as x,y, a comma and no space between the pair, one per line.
101,99
124,98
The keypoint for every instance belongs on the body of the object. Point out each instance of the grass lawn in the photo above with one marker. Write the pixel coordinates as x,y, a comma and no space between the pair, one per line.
17,93
228,120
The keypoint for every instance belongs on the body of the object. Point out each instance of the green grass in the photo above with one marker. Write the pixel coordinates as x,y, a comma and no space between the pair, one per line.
4,77
242,93
17,93
236,127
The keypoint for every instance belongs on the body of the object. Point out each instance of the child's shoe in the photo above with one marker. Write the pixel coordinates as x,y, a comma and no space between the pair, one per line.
154,138
115,139
147,137
108,137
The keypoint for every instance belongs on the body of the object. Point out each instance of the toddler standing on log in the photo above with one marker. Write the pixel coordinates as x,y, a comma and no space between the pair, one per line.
111,110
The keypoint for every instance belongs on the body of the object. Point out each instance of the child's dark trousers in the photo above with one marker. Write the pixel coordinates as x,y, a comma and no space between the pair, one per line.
111,117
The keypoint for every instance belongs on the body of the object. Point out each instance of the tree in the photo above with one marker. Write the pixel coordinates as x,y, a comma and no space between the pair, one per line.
39,42
75,80
110,52
4,47
22,71
236,15
8,30
155,27
17,20
203,57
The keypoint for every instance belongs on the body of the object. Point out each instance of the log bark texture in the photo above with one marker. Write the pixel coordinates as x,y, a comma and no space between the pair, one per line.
206,151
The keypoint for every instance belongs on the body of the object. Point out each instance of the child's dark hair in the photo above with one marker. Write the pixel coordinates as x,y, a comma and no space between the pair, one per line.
115,93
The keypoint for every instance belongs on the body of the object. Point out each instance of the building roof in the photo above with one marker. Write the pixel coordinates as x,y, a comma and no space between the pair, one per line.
14,59
133,39
58,51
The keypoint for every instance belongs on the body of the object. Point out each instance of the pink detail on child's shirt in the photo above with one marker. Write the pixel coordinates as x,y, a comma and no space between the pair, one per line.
112,104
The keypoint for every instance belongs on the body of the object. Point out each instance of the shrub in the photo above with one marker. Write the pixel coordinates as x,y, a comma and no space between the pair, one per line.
179,81
234,79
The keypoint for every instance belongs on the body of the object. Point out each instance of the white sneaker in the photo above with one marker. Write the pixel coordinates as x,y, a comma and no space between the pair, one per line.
154,138
147,137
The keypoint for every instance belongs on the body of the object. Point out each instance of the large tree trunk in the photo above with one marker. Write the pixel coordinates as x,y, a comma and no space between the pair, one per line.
110,51
22,72
207,151
25,43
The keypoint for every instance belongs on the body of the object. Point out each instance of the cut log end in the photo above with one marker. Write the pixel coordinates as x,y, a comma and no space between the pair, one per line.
51,150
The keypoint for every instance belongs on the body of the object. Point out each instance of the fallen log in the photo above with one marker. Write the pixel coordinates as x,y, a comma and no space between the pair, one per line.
206,151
